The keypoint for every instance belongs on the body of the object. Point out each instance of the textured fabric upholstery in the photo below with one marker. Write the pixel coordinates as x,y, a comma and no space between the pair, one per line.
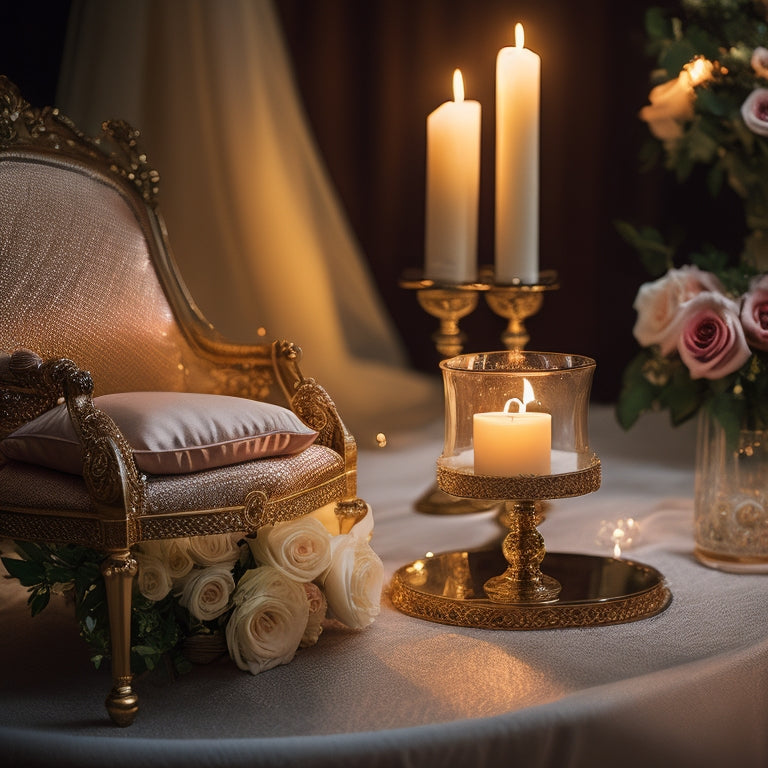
88,270
36,487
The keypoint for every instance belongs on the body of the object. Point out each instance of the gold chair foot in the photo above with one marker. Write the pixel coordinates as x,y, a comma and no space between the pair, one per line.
122,705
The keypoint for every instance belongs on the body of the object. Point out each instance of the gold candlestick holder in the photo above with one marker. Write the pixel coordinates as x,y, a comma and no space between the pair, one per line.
516,302
450,302
519,585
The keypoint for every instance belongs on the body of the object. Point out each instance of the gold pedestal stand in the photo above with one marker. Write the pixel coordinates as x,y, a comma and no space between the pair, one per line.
449,303
469,588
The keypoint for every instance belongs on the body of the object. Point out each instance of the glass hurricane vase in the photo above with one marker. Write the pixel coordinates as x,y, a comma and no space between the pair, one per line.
731,498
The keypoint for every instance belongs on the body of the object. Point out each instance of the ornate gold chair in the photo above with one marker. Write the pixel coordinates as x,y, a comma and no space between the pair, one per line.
91,304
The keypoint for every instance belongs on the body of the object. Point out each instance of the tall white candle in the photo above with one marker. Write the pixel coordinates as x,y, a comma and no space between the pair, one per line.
507,443
453,183
518,75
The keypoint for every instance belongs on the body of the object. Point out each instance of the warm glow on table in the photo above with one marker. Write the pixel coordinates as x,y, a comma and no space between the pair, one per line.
518,74
453,183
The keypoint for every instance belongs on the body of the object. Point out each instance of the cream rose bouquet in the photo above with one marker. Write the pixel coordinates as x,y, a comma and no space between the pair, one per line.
702,322
263,597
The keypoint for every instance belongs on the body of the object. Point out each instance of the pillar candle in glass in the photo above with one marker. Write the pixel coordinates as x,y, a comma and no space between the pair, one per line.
509,443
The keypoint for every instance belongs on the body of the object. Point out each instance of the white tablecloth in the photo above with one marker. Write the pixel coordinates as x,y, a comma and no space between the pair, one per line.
688,687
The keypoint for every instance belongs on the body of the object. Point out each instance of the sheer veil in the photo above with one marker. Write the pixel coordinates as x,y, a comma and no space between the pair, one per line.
255,224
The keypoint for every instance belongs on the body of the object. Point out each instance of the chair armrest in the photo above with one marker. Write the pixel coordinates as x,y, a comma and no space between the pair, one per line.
29,386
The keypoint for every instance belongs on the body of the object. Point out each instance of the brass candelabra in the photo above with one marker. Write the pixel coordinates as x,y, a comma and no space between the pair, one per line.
450,302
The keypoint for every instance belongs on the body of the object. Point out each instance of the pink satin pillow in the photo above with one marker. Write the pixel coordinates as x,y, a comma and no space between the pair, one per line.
170,432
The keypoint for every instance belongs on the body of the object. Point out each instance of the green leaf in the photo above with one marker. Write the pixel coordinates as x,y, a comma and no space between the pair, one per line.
702,43
682,395
730,412
37,553
676,56
657,25
38,600
711,102
28,573
637,394
715,179
59,574
710,259
145,650
655,254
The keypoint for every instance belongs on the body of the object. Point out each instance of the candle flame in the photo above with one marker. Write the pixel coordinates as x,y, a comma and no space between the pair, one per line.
528,397
458,86
519,35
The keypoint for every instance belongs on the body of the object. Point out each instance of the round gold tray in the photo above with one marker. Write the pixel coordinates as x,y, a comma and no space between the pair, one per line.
448,588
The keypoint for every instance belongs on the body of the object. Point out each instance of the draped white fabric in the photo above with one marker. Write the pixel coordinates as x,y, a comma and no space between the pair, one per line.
256,227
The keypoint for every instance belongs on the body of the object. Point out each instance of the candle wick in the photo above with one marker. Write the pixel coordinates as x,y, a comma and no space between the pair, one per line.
520,405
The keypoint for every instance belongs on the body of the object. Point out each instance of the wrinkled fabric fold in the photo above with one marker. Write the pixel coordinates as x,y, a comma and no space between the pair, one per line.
256,226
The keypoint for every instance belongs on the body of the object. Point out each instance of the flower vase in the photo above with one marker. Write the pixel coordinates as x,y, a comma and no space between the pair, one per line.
731,498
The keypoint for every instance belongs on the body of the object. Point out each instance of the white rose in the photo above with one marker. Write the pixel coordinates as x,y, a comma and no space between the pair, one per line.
363,528
268,621
300,548
354,581
671,105
173,552
216,549
207,591
759,61
672,102
153,580
318,608
658,305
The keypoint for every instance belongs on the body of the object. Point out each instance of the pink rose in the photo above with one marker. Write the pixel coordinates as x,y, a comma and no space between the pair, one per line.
658,305
754,110
712,342
754,313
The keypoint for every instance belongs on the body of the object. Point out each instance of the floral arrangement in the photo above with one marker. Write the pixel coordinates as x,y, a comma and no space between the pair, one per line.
261,598
703,322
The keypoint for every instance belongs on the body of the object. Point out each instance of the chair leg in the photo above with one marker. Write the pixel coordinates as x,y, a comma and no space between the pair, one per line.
118,570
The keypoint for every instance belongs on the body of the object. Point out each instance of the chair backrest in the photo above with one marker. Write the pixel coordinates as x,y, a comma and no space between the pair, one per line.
76,278
85,271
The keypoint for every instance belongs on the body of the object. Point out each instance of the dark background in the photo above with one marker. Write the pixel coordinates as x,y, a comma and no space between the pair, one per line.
370,72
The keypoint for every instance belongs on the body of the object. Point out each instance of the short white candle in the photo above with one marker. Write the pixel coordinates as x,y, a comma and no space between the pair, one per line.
453,184
517,162
510,443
